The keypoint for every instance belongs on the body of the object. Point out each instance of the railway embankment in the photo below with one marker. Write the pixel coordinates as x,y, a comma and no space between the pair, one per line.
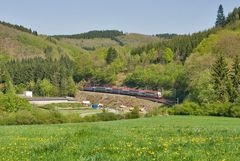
116,101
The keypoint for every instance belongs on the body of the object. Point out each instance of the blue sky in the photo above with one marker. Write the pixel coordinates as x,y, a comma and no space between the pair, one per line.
139,16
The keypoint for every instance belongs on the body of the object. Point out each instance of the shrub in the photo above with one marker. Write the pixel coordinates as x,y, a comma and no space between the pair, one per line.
108,116
187,108
12,103
133,114
214,109
35,116
218,109
74,118
156,112
235,111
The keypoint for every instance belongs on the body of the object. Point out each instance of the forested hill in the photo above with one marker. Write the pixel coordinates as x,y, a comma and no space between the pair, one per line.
19,27
93,34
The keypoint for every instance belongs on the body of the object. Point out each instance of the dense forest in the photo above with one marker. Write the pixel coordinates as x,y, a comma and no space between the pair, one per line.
167,35
45,77
93,34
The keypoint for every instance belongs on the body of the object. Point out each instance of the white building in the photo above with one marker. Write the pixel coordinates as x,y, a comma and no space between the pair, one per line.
28,94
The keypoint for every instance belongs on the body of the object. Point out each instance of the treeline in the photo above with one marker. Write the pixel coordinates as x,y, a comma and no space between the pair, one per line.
167,35
19,27
93,34
233,16
45,77
182,45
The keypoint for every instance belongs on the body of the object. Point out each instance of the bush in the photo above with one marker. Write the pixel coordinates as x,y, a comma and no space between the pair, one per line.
214,109
218,109
235,111
12,103
74,118
156,112
187,108
108,116
35,116
134,114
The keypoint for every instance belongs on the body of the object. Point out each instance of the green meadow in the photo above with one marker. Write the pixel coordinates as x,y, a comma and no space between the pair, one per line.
157,138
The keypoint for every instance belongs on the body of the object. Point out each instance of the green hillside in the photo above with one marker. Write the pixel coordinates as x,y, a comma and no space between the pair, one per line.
158,138
17,44
225,42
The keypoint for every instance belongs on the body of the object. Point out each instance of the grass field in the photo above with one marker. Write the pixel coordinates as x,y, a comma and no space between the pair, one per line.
158,138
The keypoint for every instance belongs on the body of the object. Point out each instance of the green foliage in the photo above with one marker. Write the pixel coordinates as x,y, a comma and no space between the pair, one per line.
233,16
133,114
213,109
168,55
44,77
67,87
187,108
206,46
93,69
12,103
46,88
167,35
108,116
4,57
157,77
181,45
220,22
6,85
20,88
235,79
220,73
201,89
198,65
111,55
35,116
159,111
93,34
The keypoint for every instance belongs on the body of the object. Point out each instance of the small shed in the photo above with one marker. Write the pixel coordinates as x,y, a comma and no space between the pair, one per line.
28,94
86,103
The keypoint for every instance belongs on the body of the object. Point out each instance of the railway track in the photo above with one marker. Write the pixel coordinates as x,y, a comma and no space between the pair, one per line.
161,100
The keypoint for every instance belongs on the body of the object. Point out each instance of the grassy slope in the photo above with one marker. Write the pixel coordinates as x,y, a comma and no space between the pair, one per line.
130,40
21,45
135,40
96,43
159,138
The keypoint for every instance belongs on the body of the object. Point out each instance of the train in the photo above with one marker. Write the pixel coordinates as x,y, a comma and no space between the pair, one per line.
125,91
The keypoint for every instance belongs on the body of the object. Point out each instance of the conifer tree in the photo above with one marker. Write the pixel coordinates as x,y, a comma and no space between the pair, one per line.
220,82
111,55
220,22
235,77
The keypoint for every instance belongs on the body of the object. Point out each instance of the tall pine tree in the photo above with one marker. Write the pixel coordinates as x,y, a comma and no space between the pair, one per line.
220,75
220,22
111,55
235,77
